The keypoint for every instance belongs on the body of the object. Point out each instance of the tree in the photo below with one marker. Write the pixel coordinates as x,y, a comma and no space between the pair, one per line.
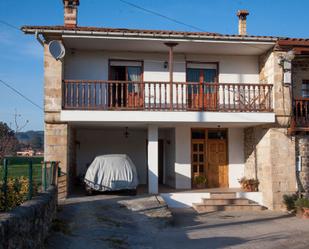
8,141
36,142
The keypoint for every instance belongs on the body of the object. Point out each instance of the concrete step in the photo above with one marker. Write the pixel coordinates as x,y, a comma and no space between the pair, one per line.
222,195
203,208
226,201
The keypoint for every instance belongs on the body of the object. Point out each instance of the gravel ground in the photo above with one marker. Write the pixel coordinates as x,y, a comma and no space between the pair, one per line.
144,222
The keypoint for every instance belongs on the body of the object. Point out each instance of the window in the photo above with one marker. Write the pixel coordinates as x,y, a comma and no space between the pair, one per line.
201,73
305,89
127,90
126,71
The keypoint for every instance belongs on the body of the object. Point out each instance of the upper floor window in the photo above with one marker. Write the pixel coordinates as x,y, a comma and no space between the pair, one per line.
305,89
203,73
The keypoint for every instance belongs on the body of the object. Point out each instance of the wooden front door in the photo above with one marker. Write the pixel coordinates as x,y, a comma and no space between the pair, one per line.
198,157
217,168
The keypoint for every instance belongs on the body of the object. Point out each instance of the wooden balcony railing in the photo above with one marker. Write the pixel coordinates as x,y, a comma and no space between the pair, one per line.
301,113
160,96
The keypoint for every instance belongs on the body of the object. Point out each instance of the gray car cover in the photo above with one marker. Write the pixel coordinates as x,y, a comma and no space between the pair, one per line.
111,172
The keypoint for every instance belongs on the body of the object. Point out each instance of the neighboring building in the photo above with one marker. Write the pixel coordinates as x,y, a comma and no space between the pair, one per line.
27,152
180,104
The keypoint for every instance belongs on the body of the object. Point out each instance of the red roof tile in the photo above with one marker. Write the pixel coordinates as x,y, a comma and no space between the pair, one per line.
138,31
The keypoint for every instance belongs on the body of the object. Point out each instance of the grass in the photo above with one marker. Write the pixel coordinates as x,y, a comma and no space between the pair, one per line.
22,169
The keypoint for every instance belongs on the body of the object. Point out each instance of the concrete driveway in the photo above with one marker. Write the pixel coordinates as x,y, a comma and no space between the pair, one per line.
139,222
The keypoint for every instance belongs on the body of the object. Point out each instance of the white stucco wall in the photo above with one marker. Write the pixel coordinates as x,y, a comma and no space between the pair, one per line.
183,157
94,65
153,171
236,156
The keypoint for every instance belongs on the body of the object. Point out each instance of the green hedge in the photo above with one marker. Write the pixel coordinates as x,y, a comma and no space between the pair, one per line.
24,160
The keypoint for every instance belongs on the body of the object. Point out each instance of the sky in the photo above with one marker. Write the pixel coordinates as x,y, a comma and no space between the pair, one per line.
21,56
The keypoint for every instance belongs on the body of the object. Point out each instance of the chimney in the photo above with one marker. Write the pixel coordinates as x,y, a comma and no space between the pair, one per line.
242,22
70,13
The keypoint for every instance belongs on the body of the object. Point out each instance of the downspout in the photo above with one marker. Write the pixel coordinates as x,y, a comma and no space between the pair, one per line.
39,39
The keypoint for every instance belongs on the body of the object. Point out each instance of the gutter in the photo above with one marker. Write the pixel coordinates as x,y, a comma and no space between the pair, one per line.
145,36
39,39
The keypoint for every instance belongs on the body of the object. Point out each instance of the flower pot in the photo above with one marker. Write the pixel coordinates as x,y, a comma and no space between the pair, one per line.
249,188
305,214
200,185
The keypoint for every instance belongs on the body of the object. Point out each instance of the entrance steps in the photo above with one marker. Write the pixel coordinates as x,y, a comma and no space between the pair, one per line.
226,201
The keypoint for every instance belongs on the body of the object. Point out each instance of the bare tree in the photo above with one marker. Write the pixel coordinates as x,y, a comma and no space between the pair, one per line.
8,141
19,122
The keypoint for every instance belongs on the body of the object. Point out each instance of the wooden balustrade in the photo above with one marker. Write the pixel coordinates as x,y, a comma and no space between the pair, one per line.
301,112
155,96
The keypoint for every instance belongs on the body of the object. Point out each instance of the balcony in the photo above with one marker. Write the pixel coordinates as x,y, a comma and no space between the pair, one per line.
300,120
163,96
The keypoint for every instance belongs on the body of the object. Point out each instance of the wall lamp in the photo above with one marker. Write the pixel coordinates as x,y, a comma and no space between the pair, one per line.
165,64
285,61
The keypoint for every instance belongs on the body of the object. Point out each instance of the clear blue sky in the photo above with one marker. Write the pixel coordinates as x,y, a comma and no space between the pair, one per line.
21,57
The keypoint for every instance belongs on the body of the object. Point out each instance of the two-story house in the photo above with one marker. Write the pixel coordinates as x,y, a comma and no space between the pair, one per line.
180,104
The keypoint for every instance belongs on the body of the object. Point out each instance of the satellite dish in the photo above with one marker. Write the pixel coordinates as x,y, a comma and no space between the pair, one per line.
56,49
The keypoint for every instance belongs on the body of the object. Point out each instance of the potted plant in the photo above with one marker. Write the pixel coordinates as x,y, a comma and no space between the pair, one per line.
199,181
289,201
249,185
302,207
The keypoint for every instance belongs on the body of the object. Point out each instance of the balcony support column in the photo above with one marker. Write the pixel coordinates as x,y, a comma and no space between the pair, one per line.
171,46
153,168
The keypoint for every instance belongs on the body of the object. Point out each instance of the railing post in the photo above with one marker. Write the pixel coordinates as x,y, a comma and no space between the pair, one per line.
5,183
30,191
51,175
171,45
45,176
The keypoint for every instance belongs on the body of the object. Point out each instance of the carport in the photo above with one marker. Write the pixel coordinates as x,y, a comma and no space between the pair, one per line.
140,143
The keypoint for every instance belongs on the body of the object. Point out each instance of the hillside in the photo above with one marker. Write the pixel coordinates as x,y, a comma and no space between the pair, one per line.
35,139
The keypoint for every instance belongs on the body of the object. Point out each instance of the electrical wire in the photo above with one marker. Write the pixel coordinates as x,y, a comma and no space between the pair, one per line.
20,94
161,15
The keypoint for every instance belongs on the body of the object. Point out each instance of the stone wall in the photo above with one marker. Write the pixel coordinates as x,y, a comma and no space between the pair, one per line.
56,148
270,156
27,226
269,150
57,133
271,73
302,150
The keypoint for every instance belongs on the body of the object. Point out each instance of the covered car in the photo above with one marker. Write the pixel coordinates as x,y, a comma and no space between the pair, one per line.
111,173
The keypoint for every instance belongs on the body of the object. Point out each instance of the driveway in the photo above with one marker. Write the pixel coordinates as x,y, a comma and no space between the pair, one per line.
141,222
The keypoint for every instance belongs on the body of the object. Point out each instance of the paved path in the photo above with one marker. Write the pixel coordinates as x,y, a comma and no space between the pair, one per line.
120,222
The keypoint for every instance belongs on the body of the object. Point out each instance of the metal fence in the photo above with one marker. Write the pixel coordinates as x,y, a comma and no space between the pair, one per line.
23,179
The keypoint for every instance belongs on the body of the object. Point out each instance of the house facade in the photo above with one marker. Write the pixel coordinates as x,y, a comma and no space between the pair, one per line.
180,104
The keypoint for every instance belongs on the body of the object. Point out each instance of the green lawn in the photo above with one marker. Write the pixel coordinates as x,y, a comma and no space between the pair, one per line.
21,168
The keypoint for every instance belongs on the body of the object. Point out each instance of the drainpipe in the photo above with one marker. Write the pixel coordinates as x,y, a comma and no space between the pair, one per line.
39,39
171,45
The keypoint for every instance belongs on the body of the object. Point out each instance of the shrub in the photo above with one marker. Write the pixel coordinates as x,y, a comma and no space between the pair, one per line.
250,184
302,203
24,160
199,180
289,201
17,193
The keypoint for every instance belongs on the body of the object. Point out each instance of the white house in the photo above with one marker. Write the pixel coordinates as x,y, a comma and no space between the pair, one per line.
180,104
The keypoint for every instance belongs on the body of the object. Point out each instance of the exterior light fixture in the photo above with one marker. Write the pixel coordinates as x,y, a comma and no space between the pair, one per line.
165,64
285,62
